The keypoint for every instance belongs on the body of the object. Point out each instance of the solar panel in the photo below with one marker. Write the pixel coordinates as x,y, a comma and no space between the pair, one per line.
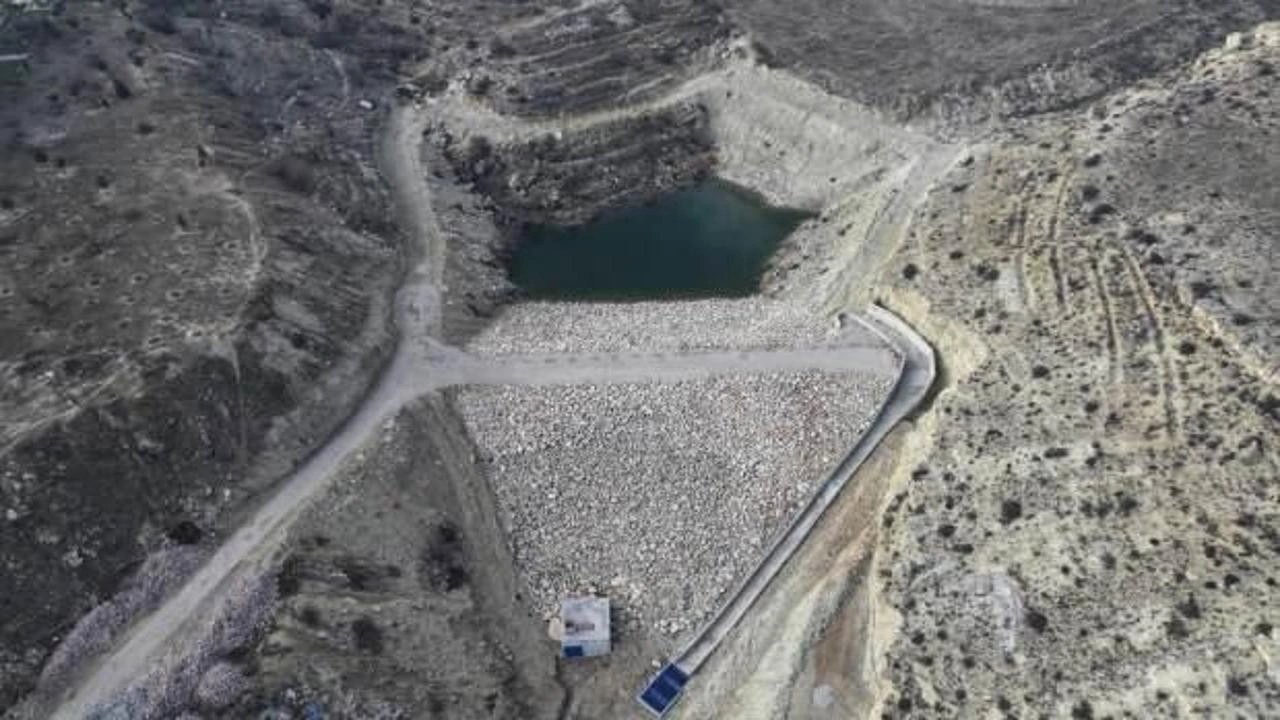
675,674
663,690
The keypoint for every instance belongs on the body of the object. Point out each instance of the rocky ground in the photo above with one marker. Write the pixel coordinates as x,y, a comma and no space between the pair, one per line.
198,259
955,63
660,495
1091,530
1080,525
569,178
749,324
400,565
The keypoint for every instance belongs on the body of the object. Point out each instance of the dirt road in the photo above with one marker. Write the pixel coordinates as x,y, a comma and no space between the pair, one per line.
420,365
417,314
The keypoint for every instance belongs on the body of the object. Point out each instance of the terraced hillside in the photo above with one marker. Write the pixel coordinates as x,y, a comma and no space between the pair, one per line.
599,55
961,61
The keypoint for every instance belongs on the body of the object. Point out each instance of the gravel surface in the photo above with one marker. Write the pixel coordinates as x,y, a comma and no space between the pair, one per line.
747,324
661,496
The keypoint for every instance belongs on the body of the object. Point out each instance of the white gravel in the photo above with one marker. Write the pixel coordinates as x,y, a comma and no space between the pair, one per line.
743,324
661,496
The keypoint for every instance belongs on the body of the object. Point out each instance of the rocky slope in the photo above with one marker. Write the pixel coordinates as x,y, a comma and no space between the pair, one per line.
567,178
196,271
1082,523
957,63
595,55
708,473
1091,530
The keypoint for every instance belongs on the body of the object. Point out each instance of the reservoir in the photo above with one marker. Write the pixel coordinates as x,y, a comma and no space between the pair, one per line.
709,240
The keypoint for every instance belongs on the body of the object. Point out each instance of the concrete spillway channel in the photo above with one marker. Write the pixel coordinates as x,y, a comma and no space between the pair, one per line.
916,376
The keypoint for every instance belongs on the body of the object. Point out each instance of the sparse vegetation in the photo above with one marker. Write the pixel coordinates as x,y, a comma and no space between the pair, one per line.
310,616
444,561
296,173
197,241
186,533
367,635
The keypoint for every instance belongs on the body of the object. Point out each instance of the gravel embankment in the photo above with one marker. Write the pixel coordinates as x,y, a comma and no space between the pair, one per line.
746,324
660,496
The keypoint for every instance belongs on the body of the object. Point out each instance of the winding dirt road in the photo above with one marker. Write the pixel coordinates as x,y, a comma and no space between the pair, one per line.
420,365
249,548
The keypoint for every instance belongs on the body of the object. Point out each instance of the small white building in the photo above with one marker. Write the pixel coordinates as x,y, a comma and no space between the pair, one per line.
585,623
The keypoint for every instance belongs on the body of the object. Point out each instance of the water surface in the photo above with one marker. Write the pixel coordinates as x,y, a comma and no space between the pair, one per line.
709,240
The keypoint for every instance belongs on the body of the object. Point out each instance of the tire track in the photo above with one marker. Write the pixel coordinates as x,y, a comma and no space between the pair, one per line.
1114,351
1055,270
1018,239
1051,239
1168,381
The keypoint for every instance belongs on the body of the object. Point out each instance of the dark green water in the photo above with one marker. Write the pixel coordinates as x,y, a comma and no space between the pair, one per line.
712,239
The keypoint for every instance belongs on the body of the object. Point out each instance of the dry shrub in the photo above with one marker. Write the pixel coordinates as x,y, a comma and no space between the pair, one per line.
176,681
142,593
220,686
